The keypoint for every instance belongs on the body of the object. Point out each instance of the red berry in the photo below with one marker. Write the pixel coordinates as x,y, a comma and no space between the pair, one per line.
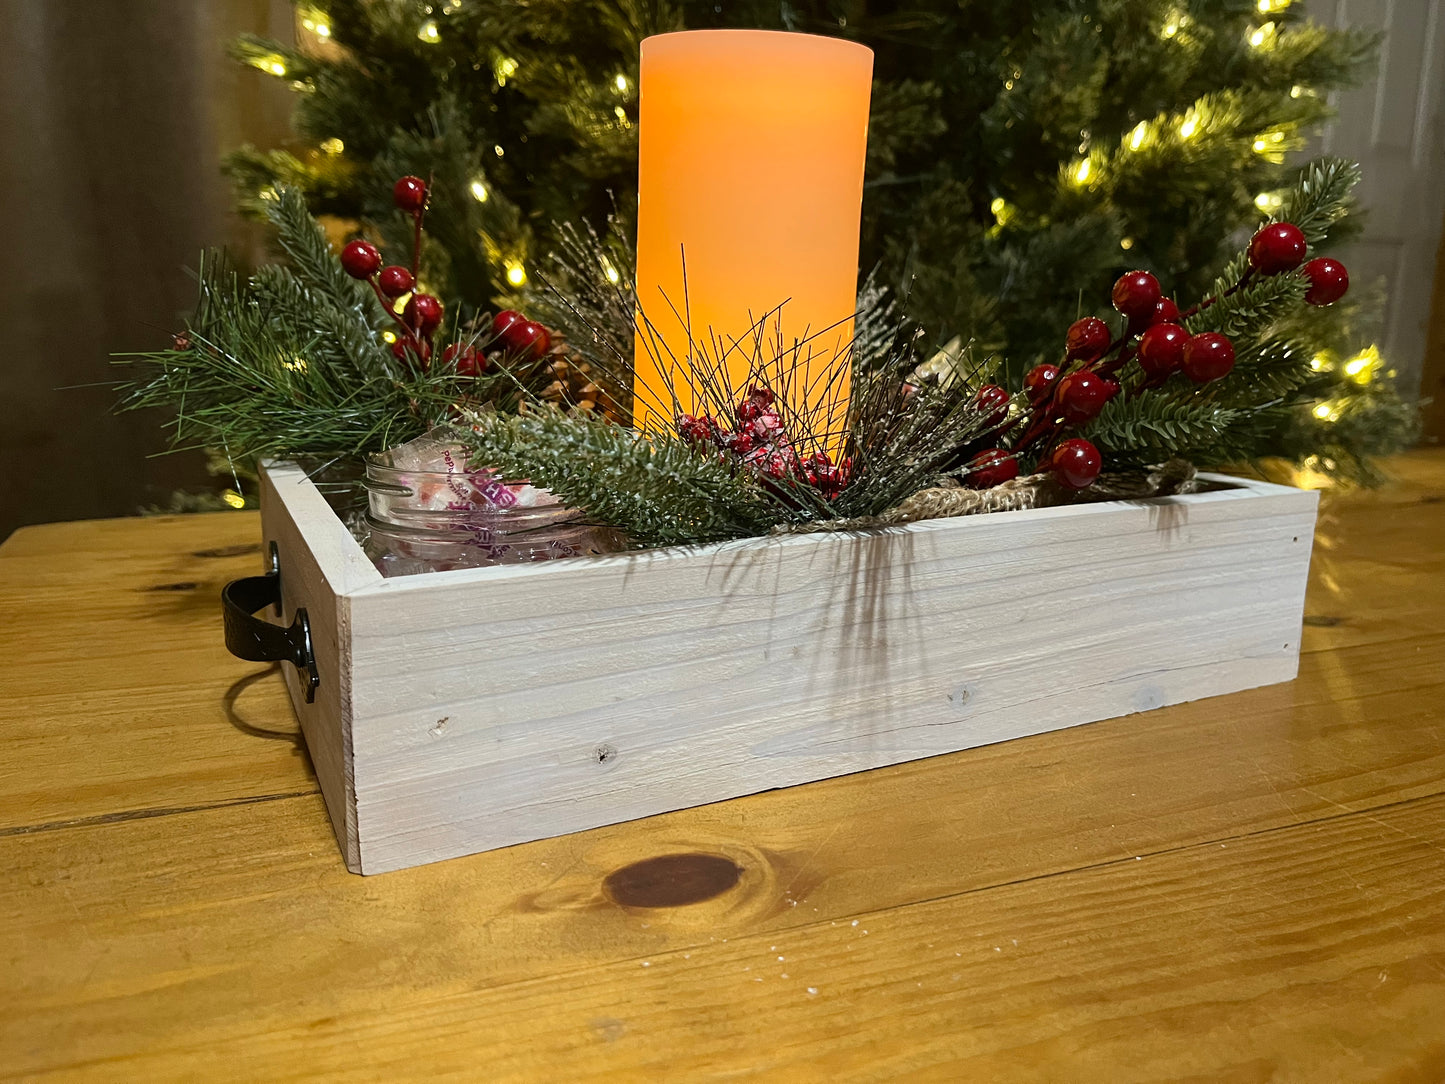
1280,246
1161,349
422,311
1165,312
398,349
739,443
360,259
409,194
992,403
1040,381
528,340
1208,356
991,468
1083,394
1087,339
395,280
1328,281
1136,293
1076,463
503,323
469,360
697,430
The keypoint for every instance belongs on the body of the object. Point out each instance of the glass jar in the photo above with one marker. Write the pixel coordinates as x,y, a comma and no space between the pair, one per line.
436,521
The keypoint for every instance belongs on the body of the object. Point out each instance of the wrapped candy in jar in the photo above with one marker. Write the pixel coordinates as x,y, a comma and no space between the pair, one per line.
428,512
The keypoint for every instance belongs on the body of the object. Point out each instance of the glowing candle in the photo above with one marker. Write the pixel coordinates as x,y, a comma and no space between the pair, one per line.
751,177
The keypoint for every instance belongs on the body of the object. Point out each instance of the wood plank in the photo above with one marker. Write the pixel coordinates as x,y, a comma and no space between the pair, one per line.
117,693
1312,953
500,705
321,565
152,927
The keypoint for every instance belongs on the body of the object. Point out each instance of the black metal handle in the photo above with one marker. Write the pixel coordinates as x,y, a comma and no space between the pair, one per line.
255,640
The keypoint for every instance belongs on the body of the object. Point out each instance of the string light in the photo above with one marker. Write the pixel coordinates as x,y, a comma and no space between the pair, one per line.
1269,202
610,272
315,21
234,499
332,145
1127,243
389,336
504,69
1175,22
295,365
620,83
1136,137
479,191
1320,363
1325,412
429,32
273,63
1188,129
1269,145
1262,35
1266,6
497,149
1081,174
516,274
1362,367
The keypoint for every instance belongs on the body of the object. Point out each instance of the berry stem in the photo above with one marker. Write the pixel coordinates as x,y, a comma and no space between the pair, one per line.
1243,279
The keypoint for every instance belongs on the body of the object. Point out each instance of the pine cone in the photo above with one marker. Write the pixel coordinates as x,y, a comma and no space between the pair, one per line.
568,381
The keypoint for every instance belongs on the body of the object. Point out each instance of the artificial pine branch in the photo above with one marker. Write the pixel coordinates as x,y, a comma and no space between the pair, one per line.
659,490
301,238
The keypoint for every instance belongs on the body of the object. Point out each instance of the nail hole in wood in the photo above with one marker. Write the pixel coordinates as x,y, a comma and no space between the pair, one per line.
605,753
672,880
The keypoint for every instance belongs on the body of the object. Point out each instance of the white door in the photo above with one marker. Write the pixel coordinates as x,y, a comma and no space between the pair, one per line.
1394,126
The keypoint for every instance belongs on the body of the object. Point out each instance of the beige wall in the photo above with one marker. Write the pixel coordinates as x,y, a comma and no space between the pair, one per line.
113,118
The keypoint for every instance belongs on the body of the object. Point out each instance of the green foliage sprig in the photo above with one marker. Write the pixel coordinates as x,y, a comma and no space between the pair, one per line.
291,362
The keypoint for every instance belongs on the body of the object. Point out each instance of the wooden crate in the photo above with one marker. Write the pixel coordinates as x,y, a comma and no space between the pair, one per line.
468,710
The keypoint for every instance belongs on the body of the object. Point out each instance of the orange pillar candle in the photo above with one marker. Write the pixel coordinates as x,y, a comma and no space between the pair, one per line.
750,177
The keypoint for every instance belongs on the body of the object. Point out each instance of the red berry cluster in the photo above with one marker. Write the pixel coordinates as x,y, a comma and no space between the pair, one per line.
1280,247
1155,335
760,442
422,314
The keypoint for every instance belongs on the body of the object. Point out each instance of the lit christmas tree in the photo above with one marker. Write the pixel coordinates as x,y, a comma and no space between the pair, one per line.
1021,156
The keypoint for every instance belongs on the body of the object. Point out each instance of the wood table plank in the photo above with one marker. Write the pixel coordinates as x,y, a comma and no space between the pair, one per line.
171,904
1315,952
116,693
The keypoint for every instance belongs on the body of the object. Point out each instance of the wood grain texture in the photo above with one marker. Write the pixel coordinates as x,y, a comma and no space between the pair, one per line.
321,565
497,706
114,649
1245,888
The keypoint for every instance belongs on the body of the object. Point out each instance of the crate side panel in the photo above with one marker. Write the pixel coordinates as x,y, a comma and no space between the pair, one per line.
298,527
527,707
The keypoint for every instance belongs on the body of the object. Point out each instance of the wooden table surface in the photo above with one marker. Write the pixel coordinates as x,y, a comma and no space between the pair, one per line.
1245,888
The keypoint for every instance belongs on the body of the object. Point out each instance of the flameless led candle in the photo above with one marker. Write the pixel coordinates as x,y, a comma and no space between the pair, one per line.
750,175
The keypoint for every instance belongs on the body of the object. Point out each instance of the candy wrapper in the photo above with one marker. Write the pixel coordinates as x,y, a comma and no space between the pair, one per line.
428,512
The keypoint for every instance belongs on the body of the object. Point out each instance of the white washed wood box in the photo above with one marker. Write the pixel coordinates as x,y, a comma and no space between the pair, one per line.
462,711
